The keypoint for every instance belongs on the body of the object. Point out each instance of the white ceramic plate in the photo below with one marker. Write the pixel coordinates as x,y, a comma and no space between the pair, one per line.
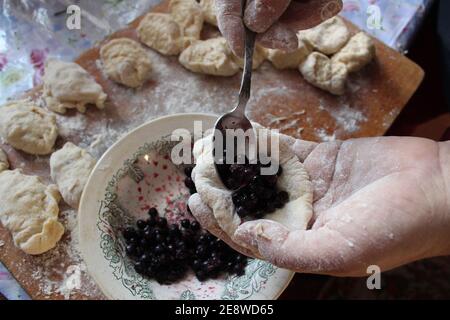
133,175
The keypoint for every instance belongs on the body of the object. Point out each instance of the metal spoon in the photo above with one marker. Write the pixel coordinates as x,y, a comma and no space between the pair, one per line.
236,119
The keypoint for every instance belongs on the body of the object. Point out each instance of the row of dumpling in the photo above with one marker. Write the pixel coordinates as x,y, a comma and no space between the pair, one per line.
325,56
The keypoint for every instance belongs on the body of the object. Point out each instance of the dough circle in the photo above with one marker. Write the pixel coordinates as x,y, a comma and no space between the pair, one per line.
294,179
28,128
29,210
126,62
289,60
70,168
357,53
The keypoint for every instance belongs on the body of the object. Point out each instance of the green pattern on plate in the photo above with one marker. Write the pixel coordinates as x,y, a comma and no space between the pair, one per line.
112,218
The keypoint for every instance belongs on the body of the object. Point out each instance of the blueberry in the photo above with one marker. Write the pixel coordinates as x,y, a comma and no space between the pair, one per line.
181,254
162,222
270,180
130,249
145,243
185,223
280,171
159,249
201,251
239,270
141,224
139,268
188,171
174,230
201,275
195,226
242,212
270,208
196,264
145,258
189,183
148,233
153,212
129,233
283,196
133,240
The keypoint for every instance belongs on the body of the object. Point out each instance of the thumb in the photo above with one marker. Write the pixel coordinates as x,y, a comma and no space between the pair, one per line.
322,251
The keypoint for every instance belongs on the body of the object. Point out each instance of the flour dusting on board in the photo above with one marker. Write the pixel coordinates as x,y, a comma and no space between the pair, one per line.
62,271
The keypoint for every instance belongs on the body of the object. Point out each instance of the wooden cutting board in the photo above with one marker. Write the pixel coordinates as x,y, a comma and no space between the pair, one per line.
280,99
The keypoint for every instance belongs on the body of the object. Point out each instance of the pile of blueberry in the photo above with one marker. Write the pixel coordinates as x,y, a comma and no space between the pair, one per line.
254,195
166,252
188,182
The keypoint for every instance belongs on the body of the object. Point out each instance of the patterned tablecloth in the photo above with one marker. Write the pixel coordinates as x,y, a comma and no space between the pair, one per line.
31,30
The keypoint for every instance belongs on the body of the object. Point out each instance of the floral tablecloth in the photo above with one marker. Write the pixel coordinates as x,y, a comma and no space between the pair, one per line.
31,30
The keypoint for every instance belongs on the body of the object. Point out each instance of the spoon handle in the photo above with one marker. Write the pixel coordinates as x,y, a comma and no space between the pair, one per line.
244,93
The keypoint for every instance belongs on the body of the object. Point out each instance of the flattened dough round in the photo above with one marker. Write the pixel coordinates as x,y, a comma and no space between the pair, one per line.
212,56
189,16
161,32
328,37
126,62
322,72
67,85
70,168
29,210
294,179
28,128
357,53
4,163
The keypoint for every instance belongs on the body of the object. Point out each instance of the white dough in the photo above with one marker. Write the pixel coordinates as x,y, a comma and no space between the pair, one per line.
328,37
126,62
29,210
289,60
209,11
28,128
70,168
162,33
212,56
294,179
4,163
357,53
189,16
320,71
67,85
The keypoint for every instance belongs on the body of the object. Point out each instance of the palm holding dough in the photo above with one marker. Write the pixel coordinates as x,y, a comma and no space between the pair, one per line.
377,201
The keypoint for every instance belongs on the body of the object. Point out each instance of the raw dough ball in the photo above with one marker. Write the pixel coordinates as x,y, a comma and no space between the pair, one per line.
29,210
357,53
209,11
296,213
126,62
28,128
289,60
189,16
259,55
70,168
321,72
67,85
212,56
328,37
4,163
161,32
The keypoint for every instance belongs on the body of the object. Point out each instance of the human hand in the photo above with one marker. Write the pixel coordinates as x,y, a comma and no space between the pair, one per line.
276,21
377,201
